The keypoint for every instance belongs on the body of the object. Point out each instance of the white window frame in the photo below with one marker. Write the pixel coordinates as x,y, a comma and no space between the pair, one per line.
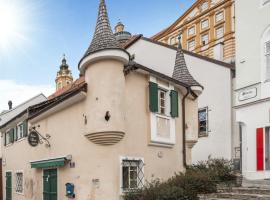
221,19
205,6
203,40
155,139
205,20
16,182
17,131
216,34
7,133
191,41
192,27
130,158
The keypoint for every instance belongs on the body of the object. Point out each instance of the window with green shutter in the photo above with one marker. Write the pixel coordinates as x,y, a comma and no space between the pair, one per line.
12,134
153,97
174,104
25,128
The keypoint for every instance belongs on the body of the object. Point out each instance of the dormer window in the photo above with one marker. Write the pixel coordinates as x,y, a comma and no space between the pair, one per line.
204,6
163,100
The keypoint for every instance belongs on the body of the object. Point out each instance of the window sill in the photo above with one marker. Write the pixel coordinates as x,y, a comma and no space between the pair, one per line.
204,134
161,144
8,145
20,139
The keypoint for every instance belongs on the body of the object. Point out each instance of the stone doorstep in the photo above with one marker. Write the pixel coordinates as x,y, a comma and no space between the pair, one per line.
246,190
256,183
232,196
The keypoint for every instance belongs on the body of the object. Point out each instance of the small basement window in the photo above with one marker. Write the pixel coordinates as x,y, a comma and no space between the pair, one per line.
203,122
19,182
132,174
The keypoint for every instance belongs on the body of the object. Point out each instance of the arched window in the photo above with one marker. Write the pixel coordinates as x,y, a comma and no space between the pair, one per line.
266,53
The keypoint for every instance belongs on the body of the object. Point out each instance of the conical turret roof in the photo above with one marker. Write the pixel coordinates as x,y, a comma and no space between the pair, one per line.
103,37
181,72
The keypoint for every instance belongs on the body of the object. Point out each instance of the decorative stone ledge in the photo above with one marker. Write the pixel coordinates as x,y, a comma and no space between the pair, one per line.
106,137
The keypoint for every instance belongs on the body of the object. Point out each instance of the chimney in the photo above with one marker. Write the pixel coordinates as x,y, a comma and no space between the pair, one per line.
9,105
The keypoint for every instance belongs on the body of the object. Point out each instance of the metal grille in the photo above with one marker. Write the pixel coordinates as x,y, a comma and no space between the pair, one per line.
132,174
19,182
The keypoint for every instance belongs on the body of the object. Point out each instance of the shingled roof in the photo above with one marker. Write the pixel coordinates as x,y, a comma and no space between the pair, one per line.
103,37
181,72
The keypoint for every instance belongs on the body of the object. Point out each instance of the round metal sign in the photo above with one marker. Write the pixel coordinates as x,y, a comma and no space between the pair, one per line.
33,139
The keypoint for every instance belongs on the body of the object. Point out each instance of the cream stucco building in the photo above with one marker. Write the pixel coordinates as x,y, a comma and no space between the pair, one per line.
124,122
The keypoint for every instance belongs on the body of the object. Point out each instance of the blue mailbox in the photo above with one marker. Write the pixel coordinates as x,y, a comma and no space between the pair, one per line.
70,190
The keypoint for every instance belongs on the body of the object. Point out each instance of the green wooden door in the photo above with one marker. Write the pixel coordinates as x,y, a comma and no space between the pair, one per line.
50,184
8,186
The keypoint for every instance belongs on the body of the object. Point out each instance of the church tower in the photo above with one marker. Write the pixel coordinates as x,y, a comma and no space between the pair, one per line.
64,75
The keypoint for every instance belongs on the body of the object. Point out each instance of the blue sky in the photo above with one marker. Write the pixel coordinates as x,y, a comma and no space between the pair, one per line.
49,28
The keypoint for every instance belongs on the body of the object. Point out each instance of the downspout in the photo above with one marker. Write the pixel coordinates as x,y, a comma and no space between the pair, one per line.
184,127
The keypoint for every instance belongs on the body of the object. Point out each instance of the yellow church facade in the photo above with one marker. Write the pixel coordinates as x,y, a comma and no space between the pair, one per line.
206,28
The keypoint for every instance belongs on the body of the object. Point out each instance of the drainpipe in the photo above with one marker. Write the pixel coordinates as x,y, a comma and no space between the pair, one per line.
184,127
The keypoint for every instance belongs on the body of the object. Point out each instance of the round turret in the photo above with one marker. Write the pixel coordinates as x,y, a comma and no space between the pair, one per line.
103,65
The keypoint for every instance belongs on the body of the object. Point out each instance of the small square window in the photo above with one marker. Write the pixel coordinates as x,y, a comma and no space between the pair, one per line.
191,45
19,182
203,122
132,174
219,32
205,39
205,24
191,31
219,17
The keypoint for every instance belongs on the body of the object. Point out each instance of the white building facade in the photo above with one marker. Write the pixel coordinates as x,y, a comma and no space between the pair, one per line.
215,103
252,89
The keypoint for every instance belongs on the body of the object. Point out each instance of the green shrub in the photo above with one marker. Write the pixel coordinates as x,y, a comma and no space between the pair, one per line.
201,178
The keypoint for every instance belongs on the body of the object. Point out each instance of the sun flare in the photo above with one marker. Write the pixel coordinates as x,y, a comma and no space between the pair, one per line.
8,24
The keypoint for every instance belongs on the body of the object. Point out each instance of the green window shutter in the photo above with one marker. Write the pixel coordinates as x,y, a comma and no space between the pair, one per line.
153,97
5,139
11,135
15,133
174,104
25,128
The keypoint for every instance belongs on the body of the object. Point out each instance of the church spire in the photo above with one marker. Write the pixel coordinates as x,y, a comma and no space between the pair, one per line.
103,37
64,75
181,72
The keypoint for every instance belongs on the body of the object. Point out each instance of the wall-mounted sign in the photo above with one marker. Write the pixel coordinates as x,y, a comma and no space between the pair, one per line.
33,138
247,94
